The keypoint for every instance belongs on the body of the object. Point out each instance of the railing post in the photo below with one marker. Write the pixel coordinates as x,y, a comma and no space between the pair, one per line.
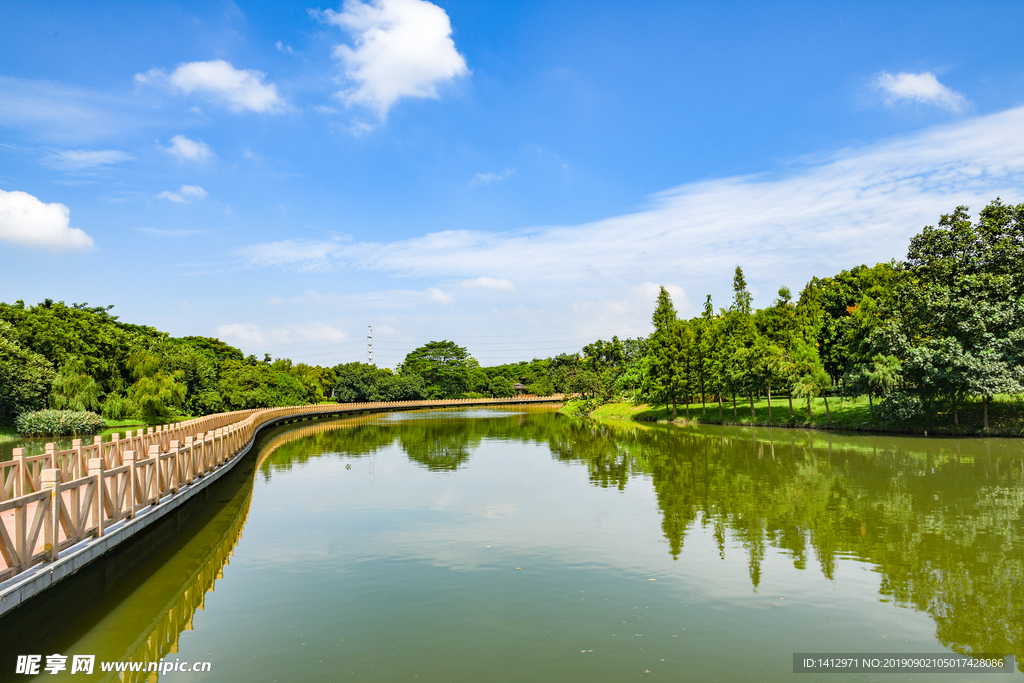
155,491
174,467
128,458
50,479
76,446
19,472
96,470
51,455
199,455
97,442
191,462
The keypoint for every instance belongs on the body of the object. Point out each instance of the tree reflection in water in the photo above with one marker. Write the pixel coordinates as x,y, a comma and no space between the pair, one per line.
942,520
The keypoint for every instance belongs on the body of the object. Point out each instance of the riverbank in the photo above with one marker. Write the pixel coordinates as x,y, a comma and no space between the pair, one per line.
34,445
1005,413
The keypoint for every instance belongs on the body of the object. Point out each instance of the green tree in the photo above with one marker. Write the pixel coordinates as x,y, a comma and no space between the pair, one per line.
255,384
158,394
25,376
669,351
664,312
957,312
501,387
73,389
444,366
742,301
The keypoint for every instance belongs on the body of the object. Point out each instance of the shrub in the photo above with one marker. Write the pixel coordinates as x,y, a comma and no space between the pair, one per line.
899,407
582,407
58,423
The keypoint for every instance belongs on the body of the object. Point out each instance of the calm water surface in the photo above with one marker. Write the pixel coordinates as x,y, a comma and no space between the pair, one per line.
521,545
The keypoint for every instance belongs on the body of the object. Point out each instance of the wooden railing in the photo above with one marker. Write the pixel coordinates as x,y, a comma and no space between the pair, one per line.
53,501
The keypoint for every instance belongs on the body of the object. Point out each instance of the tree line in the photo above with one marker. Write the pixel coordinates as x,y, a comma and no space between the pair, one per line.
918,336
82,358
926,334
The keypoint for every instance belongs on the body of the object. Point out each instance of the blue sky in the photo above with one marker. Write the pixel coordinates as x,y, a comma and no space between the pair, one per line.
517,177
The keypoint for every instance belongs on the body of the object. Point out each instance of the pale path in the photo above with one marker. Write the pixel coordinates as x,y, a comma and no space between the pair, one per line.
63,509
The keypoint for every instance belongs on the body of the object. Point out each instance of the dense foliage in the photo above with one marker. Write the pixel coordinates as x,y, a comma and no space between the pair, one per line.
58,423
25,376
81,357
921,336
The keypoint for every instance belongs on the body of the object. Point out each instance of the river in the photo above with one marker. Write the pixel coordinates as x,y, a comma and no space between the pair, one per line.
518,544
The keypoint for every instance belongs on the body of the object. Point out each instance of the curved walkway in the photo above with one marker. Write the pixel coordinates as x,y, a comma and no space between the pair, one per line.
63,509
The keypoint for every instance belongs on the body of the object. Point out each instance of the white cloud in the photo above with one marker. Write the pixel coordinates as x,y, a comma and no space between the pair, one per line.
491,177
169,233
303,255
920,88
85,160
27,221
238,88
824,214
484,282
283,48
184,149
435,294
252,335
241,334
402,48
185,195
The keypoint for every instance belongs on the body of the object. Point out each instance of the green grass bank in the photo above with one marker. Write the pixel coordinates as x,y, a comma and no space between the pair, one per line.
1005,415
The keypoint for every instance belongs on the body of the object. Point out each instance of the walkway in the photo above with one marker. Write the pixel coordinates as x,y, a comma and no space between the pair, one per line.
63,509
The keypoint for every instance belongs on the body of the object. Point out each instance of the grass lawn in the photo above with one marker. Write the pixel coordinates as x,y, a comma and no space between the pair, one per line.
119,427
8,434
1005,415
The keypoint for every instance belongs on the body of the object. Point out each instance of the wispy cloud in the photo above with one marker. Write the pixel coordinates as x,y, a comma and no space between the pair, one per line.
184,149
484,282
80,160
169,233
184,195
491,177
858,205
924,87
299,254
238,88
376,301
30,222
284,48
250,334
435,294
402,48
65,114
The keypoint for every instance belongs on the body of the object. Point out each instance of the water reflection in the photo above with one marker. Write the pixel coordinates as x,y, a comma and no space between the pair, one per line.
160,637
939,521
133,605
942,520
